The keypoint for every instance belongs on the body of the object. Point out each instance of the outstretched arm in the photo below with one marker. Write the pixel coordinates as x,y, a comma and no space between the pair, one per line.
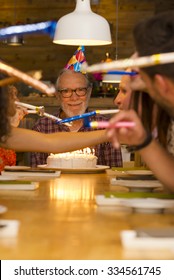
31,141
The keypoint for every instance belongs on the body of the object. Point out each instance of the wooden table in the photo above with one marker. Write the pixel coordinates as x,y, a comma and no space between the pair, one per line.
60,220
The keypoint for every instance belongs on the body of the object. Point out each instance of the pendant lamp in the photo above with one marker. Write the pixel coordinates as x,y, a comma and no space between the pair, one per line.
15,40
82,27
111,78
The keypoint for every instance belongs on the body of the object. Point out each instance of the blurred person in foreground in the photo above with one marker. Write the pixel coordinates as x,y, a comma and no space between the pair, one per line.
73,93
152,36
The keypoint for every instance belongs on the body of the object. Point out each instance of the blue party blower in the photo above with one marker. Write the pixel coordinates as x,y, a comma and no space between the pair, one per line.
89,114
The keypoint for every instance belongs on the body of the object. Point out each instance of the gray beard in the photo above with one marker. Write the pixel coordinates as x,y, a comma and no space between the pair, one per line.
70,114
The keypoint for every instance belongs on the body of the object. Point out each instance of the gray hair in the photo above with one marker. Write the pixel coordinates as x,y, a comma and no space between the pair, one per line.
89,82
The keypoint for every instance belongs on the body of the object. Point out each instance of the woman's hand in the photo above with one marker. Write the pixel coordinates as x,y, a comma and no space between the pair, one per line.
126,135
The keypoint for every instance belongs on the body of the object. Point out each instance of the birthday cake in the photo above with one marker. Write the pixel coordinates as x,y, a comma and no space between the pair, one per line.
77,159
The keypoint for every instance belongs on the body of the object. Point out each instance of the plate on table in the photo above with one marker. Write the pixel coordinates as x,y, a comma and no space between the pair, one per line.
7,177
148,239
9,228
18,185
3,209
97,169
102,200
137,185
12,182
148,205
39,174
139,172
16,167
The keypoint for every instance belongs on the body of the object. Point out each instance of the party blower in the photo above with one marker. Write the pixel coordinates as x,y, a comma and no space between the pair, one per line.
89,114
107,124
47,27
40,110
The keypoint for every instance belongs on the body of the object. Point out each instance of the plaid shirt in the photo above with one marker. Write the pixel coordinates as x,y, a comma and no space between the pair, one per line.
106,153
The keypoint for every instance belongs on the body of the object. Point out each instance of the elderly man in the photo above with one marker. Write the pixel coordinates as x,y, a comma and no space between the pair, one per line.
73,92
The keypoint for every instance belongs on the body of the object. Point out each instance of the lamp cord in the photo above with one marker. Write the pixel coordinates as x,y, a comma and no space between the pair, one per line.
116,36
14,11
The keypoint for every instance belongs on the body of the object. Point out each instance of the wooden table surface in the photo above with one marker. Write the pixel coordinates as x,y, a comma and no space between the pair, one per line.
60,220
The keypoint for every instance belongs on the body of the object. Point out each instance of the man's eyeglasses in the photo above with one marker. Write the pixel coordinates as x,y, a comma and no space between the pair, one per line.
68,92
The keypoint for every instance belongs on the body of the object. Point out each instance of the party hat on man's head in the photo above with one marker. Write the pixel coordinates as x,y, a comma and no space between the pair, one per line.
76,60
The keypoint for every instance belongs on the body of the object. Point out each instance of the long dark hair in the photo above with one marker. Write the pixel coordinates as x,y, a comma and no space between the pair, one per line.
144,105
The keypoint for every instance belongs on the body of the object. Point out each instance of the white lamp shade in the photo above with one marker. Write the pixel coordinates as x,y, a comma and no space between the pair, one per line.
15,40
111,78
82,27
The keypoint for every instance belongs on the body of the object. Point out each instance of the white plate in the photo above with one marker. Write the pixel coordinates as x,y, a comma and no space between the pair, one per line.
19,185
23,174
8,177
101,200
9,228
137,185
130,240
3,209
97,169
16,167
139,172
148,205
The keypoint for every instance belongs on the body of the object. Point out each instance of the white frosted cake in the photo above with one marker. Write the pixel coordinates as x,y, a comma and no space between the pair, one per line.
77,159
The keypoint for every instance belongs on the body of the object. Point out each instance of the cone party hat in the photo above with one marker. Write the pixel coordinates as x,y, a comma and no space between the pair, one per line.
76,60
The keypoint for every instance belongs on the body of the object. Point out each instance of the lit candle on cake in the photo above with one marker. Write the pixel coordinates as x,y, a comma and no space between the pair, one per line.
84,158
